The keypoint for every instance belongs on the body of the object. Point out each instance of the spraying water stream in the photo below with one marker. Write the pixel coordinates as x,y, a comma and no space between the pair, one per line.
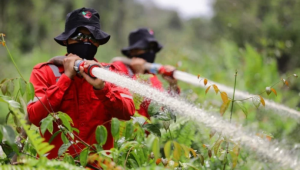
192,79
264,148
278,108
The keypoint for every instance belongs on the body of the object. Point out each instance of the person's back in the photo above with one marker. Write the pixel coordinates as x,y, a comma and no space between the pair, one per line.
89,102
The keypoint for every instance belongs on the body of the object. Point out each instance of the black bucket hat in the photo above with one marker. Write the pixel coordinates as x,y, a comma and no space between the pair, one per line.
83,17
142,38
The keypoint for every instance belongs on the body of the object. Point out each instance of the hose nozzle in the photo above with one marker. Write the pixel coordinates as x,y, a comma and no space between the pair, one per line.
88,71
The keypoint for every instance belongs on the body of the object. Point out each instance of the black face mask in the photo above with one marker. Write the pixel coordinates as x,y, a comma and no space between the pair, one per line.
149,56
84,50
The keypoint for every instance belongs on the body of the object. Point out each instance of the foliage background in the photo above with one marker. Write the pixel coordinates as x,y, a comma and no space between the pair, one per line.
260,39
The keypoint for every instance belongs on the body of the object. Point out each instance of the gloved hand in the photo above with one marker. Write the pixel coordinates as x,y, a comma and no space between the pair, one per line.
167,74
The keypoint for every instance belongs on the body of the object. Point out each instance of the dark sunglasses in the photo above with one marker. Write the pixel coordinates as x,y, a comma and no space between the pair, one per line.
81,37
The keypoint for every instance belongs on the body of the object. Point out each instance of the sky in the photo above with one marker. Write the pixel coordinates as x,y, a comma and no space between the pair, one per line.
188,8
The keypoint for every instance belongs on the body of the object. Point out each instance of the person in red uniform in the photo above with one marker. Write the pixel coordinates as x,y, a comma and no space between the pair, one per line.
89,102
143,48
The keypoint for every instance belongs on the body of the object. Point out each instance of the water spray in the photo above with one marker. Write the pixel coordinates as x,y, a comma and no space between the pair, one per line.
262,147
192,79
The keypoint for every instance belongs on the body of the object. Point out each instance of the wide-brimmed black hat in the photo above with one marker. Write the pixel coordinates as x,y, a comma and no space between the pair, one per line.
142,38
83,17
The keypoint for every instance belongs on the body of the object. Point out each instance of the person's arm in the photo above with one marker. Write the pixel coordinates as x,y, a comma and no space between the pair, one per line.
173,88
118,101
49,94
47,97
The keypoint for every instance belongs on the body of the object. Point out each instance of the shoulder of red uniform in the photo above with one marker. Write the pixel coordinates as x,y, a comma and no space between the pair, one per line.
111,66
40,65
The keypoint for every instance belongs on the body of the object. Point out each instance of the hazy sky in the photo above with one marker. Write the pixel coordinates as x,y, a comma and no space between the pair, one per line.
188,8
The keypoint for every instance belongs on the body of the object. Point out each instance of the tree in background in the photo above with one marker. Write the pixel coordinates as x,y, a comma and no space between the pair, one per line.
271,26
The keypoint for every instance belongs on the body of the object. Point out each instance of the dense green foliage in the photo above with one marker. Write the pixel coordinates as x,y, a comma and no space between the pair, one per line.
260,39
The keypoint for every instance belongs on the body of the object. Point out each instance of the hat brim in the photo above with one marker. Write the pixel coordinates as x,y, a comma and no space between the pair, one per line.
98,34
143,44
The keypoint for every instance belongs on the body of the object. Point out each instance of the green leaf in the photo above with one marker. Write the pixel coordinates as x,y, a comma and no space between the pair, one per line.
209,153
22,84
256,101
155,147
64,138
137,100
167,149
67,116
177,151
53,136
69,159
162,116
14,104
224,107
7,117
153,128
234,158
75,129
115,127
223,155
153,109
217,145
29,91
186,133
140,120
98,148
122,129
63,148
37,142
241,105
47,123
9,133
133,163
11,103
23,104
101,135
83,157
4,88
64,120
11,86
129,130
3,81
136,157
16,121
7,149
201,158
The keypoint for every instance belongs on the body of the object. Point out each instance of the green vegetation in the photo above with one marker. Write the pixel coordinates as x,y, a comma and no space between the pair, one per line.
258,39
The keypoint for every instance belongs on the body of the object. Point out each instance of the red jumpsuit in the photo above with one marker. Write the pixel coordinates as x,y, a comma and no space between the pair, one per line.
155,82
87,107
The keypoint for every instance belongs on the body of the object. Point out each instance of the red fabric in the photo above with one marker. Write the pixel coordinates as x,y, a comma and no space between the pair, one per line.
87,107
154,81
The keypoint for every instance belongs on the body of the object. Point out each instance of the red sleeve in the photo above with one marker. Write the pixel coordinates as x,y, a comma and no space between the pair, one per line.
120,67
50,95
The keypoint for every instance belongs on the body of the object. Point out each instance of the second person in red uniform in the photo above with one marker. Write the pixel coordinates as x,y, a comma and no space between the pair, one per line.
143,48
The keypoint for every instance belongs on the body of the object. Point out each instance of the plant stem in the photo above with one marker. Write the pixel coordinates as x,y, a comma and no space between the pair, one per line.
12,59
170,134
231,111
128,155
232,103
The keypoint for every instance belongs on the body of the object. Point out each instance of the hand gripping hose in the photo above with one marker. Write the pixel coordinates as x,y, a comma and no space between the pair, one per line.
88,71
